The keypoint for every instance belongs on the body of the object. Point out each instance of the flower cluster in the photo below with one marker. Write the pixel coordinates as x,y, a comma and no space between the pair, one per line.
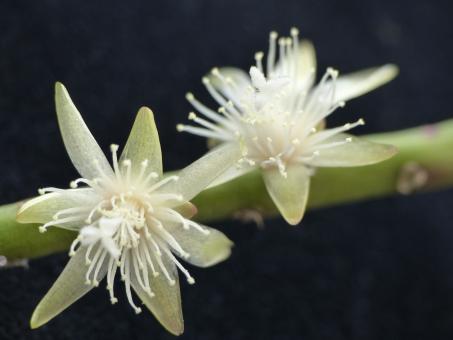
135,222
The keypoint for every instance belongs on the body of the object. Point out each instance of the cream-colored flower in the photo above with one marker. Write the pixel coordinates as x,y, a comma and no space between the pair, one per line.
277,118
132,221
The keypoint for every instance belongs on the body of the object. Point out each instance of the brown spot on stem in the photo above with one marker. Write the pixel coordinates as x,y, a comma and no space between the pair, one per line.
412,177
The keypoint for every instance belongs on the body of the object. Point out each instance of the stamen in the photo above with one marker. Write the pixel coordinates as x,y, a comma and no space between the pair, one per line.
171,241
259,60
161,183
271,53
74,244
127,164
208,125
143,166
171,281
92,264
206,112
189,278
114,149
43,191
98,268
111,279
149,261
128,287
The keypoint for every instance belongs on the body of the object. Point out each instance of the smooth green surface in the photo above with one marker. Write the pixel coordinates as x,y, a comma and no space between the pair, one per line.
430,147
19,241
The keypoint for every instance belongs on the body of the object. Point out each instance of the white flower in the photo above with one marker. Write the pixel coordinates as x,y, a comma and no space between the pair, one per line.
277,118
132,222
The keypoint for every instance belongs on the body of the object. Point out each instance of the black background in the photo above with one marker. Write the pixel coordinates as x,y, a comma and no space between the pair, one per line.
373,270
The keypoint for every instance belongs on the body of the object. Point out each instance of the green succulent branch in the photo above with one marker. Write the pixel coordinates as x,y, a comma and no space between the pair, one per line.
424,162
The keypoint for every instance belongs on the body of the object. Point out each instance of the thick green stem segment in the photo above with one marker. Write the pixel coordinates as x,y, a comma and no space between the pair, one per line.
424,162
18,241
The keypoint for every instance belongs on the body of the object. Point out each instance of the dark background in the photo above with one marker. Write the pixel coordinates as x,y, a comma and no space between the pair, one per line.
373,270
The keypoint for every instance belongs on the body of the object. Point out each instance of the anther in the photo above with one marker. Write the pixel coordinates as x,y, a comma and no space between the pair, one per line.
259,55
348,140
41,191
205,80
191,280
192,116
332,72
361,121
180,127
273,35
215,71
73,184
190,96
42,229
294,31
114,148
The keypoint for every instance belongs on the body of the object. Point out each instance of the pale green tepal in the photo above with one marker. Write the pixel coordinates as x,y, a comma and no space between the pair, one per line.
130,220
276,116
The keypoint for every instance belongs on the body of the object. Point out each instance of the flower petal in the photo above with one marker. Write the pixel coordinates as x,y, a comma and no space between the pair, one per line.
307,58
90,235
186,210
81,146
358,83
289,193
166,304
69,287
43,208
205,249
240,79
143,143
357,152
198,175
230,174
306,64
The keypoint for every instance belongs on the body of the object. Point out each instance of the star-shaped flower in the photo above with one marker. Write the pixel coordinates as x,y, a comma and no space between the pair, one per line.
132,221
277,118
